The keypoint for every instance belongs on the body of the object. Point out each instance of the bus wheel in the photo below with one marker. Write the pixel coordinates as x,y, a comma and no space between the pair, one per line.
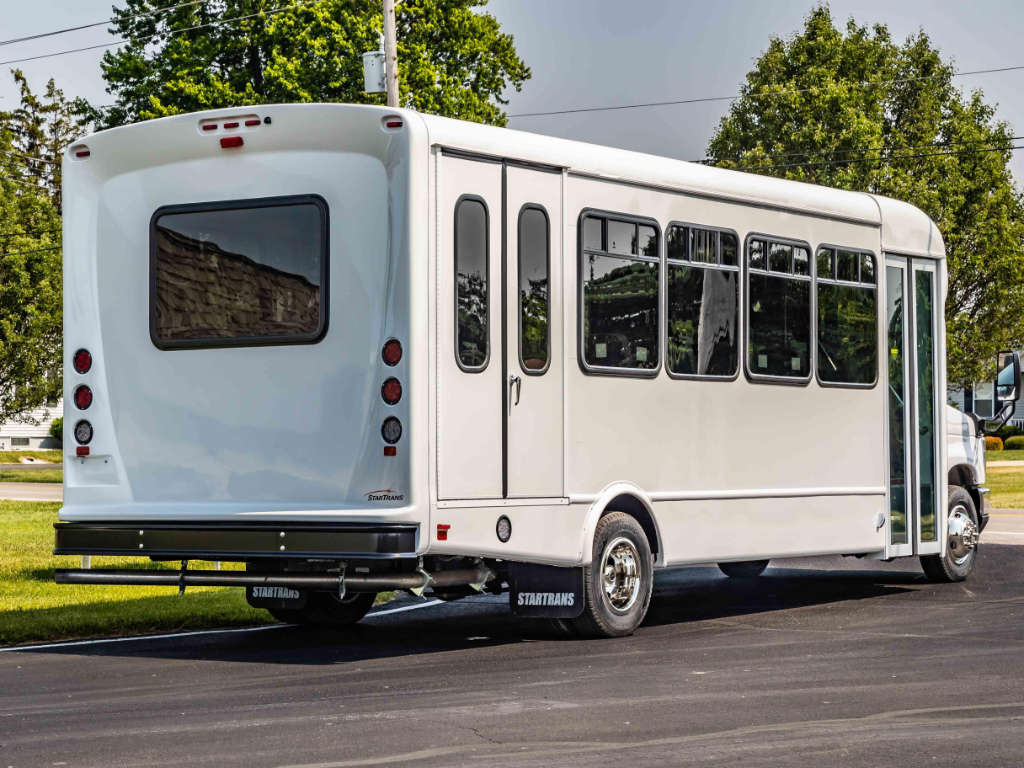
324,609
617,584
749,569
961,540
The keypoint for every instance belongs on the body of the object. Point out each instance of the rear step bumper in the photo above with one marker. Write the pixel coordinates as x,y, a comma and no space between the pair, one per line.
479,576
237,541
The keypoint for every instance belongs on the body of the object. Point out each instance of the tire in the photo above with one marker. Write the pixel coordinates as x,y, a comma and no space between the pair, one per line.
961,541
324,609
615,608
749,569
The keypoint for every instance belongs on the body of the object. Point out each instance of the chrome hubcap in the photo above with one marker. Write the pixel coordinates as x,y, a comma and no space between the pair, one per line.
963,535
620,574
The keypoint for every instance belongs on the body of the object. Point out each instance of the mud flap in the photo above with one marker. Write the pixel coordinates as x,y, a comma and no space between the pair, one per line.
545,590
275,597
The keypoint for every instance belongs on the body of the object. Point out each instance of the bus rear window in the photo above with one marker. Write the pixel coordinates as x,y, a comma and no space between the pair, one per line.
245,273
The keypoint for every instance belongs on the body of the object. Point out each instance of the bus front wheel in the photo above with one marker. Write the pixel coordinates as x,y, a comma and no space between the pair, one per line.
618,582
961,540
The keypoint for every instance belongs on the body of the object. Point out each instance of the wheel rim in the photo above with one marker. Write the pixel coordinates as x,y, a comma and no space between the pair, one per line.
962,534
621,576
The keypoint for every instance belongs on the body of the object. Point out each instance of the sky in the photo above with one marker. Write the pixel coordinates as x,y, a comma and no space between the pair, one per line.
586,53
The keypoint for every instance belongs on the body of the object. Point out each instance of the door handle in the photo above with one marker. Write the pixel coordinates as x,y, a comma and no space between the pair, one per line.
514,381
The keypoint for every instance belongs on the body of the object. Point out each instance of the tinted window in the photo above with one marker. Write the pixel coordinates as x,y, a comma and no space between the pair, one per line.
620,298
703,304
778,312
847,322
252,272
533,289
471,283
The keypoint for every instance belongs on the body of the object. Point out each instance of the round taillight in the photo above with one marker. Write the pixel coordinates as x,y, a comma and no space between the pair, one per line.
391,430
392,352
83,432
391,391
83,397
82,361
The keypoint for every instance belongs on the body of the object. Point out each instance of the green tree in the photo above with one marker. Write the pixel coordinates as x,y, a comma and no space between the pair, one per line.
854,109
32,138
453,59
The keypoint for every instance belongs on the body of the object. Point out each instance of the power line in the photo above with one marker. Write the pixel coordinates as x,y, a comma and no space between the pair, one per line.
80,27
29,233
34,250
765,94
712,161
115,43
28,157
886,160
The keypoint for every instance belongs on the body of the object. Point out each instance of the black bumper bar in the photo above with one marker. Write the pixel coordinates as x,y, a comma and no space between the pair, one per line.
237,541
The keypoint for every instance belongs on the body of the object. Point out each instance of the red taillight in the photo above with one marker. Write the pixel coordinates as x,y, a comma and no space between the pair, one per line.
390,450
83,397
392,352
210,127
82,450
83,153
393,123
228,142
82,361
233,124
252,121
391,391
442,531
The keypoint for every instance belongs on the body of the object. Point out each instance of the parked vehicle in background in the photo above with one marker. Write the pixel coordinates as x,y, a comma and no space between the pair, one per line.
363,349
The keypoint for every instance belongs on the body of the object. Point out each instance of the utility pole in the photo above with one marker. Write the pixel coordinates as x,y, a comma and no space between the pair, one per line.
390,53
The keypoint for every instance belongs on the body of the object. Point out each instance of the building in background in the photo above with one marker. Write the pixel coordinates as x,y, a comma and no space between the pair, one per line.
33,434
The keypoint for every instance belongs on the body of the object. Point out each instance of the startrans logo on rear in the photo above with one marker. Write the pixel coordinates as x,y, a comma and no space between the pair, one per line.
385,494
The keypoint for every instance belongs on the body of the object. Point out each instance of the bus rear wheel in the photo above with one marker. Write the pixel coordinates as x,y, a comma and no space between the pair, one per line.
961,541
749,569
617,584
324,609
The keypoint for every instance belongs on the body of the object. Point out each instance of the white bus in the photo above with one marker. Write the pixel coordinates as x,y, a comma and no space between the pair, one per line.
362,349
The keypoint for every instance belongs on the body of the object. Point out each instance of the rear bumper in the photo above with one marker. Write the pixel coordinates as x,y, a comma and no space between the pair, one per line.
237,541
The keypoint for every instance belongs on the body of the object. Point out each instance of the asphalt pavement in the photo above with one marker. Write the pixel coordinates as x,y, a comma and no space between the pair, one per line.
827,661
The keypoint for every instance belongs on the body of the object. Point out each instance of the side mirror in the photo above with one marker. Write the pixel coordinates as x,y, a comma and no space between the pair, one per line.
1007,383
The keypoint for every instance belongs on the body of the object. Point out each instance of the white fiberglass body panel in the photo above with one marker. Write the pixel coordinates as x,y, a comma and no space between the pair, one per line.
254,429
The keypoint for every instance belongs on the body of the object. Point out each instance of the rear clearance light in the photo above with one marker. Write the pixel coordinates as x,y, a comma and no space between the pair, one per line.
390,450
82,450
82,361
232,124
393,123
391,430
83,432
252,121
391,391
83,397
229,142
82,153
392,352
210,127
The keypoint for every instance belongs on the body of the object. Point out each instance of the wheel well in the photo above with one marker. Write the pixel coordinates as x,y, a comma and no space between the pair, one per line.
636,509
962,476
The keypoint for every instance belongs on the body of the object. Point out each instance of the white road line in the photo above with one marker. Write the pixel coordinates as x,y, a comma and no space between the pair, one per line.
104,640
404,608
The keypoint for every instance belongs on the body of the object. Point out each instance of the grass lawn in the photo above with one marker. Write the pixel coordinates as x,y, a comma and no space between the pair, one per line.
1007,484
31,475
1004,456
33,608
14,457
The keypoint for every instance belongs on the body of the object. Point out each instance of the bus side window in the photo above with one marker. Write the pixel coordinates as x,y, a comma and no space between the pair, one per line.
703,302
778,309
534,272
847,317
619,295
472,296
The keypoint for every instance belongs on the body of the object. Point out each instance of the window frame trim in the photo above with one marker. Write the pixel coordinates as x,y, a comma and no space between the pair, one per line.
455,279
738,269
519,297
760,378
607,370
224,342
878,324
